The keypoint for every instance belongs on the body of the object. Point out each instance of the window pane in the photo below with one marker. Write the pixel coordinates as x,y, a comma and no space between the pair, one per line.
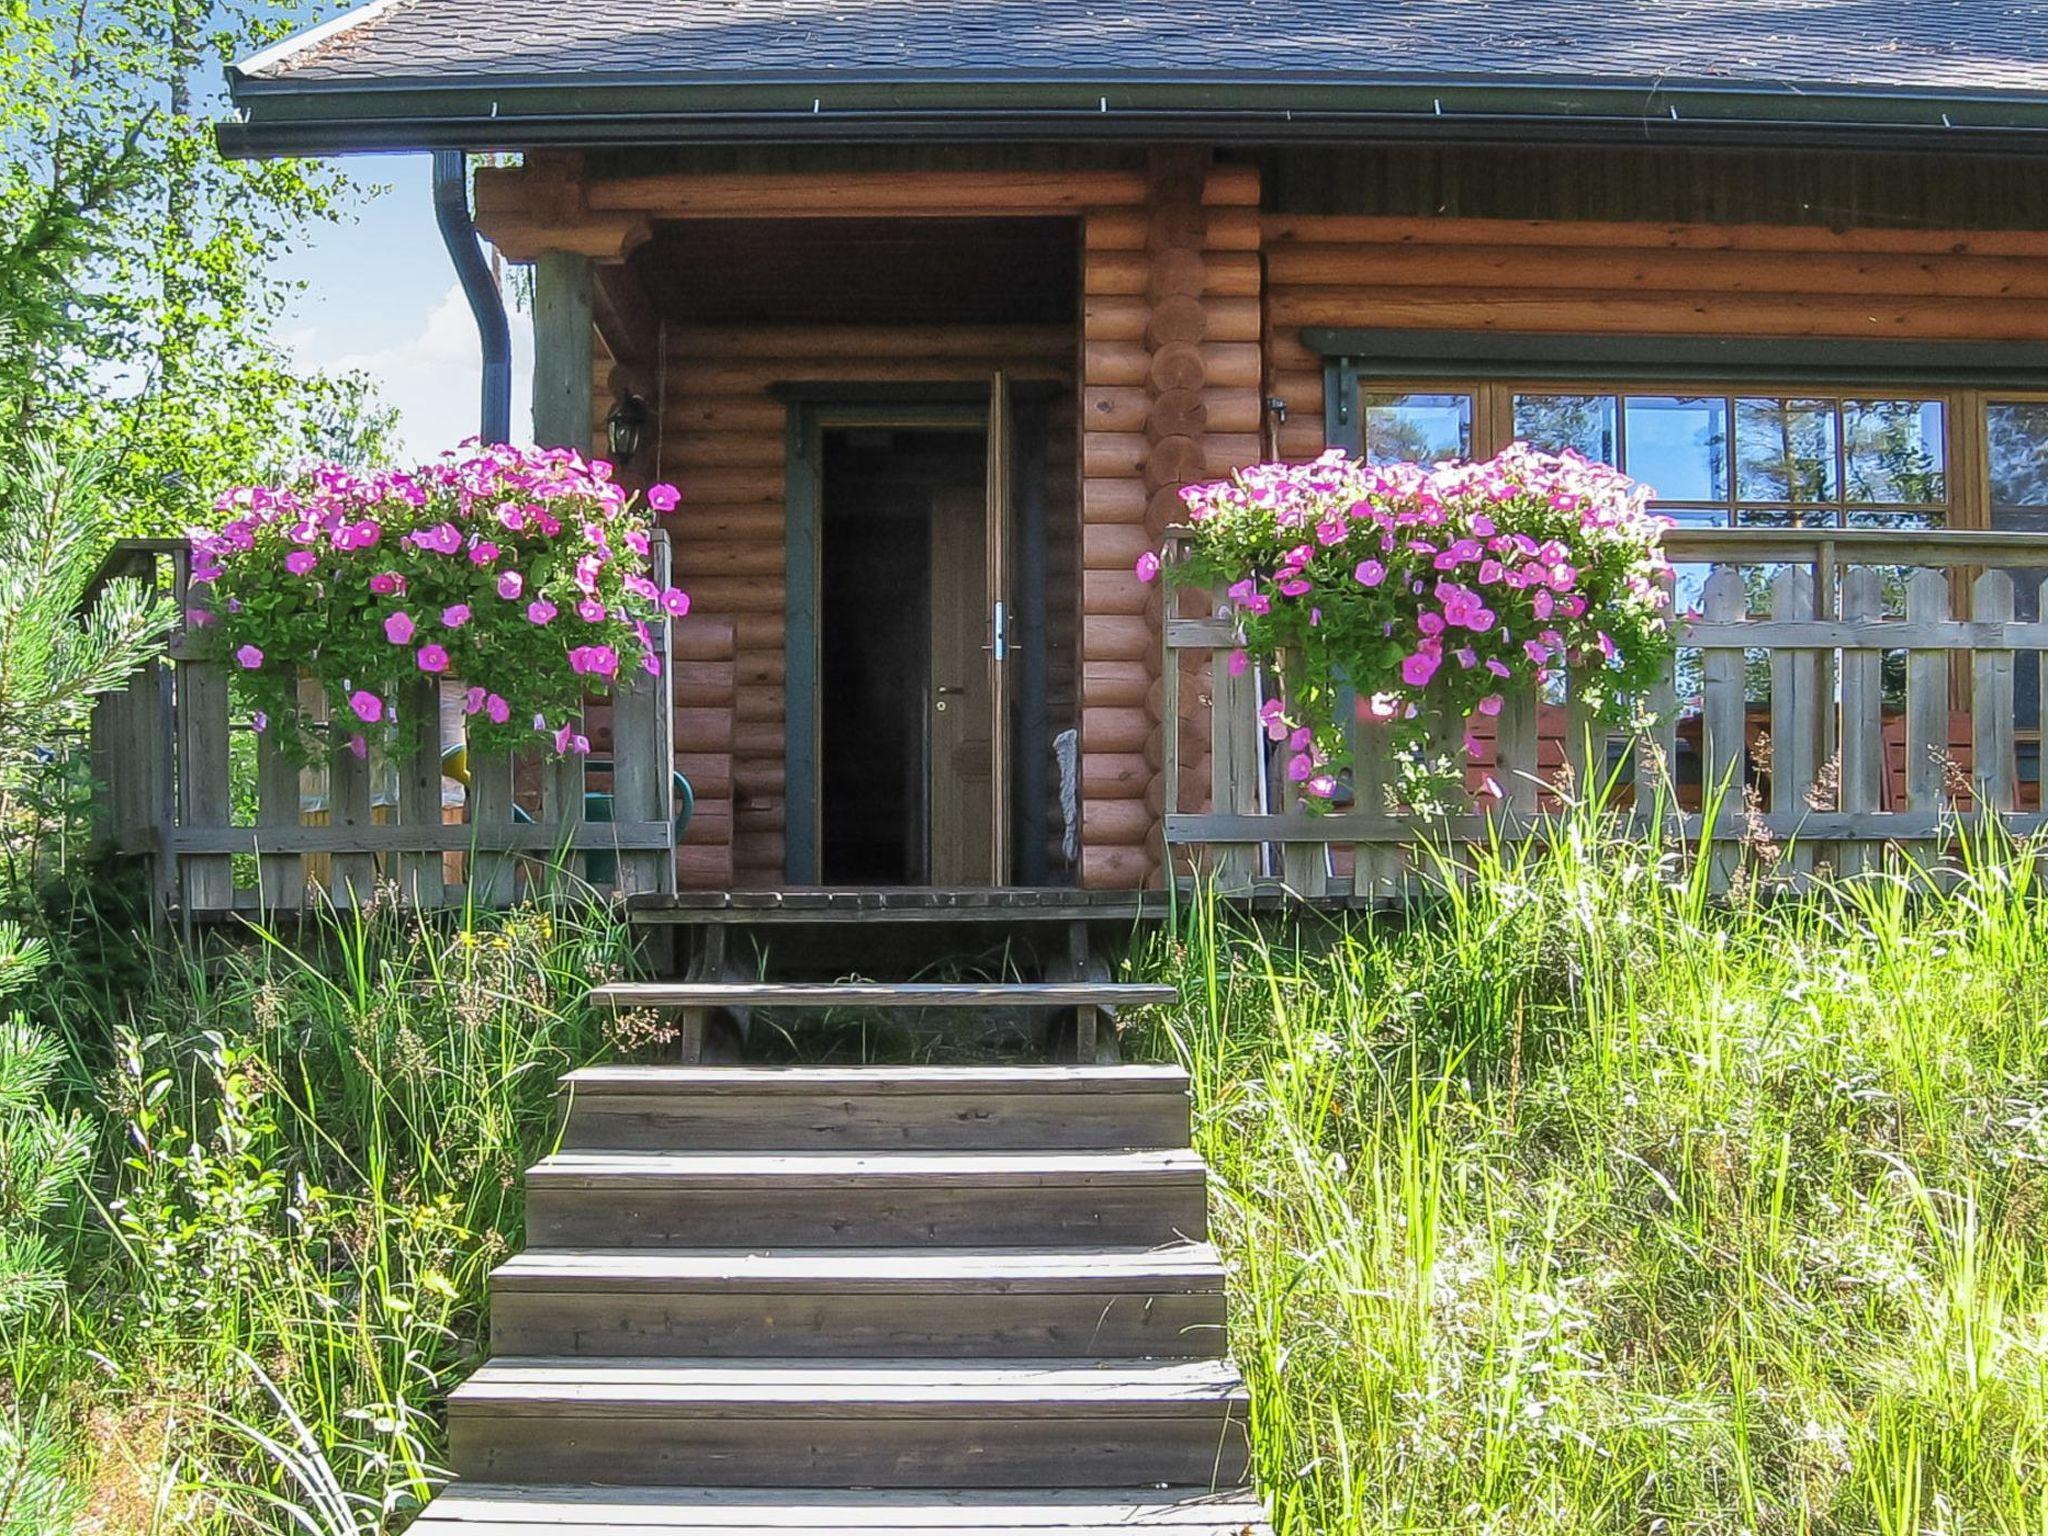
2018,432
1895,450
1786,450
1898,522
1678,445
1417,428
1583,423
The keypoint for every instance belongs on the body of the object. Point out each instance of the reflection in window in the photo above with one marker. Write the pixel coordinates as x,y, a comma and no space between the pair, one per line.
1785,450
1582,423
1895,451
1678,445
1417,429
2017,431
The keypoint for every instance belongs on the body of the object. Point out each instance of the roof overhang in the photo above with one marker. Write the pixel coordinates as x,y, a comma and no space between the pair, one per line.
287,115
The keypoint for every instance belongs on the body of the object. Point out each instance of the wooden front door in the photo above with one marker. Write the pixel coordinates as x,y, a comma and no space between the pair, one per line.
909,690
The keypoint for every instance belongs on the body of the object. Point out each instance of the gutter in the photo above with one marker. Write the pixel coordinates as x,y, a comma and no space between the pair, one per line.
486,303
283,115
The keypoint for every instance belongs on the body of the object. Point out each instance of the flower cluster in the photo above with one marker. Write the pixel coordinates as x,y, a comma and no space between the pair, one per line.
523,573
1429,589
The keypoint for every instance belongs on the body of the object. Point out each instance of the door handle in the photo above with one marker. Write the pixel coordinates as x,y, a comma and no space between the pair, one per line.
943,692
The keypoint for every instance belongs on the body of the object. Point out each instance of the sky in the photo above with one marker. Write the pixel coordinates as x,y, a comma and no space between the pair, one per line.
381,296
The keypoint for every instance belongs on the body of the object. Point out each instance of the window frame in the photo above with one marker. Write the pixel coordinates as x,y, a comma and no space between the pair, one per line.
1493,365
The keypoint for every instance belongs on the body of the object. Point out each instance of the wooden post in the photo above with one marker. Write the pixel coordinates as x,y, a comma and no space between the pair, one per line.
1994,764
1862,749
490,808
349,808
203,796
1234,747
1795,709
281,877
420,878
1723,722
562,403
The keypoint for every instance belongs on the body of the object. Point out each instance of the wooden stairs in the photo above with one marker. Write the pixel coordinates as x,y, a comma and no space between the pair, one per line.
930,1300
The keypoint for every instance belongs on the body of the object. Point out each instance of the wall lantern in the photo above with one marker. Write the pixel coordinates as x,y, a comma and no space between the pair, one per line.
625,427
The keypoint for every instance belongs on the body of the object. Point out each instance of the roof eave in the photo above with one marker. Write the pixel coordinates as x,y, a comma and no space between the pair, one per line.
287,117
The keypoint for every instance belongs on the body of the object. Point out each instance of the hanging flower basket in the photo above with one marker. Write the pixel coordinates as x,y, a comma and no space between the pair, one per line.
1429,592
522,573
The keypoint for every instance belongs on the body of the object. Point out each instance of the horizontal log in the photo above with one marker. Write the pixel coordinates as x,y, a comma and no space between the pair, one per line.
756,378
709,773
704,869
750,412
1301,437
1226,365
710,822
1118,500
1115,684
1175,461
1682,271
704,684
1117,637
1128,408
695,527
1326,229
1113,775
683,450
1110,868
696,562
704,730
1117,592
1184,318
755,741
602,237
1177,413
702,638
759,631
1116,823
1226,451
730,596
760,704
1113,546
1114,455
738,486
850,343
1124,229
1599,311
1109,728
788,194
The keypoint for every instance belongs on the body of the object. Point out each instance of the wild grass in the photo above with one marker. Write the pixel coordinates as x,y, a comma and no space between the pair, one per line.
308,1162
1580,1202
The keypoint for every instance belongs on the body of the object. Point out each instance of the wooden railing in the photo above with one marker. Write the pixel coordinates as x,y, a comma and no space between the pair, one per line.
221,820
1835,693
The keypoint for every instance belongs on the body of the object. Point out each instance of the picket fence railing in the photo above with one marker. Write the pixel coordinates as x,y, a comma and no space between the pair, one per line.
1844,692
164,760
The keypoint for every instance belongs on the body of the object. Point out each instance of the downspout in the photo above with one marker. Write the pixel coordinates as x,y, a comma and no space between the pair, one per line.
451,212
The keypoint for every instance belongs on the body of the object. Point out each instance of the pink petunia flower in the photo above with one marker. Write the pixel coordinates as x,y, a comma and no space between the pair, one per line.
455,615
590,610
300,562
482,552
664,498
385,583
399,627
510,584
473,701
497,710
367,706
675,601
250,658
1418,669
1370,573
1148,566
432,658
540,611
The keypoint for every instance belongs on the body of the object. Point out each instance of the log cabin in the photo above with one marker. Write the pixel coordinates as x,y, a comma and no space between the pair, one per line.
932,310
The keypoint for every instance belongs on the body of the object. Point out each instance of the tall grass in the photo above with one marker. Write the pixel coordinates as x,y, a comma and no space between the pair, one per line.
309,1163
1578,1202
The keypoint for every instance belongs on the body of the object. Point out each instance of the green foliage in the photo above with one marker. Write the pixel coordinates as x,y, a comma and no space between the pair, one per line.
1581,1202
135,278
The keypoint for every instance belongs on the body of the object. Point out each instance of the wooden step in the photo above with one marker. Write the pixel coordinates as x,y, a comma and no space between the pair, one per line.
501,1509
876,1108
876,994
1110,1303
841,1424
865,1199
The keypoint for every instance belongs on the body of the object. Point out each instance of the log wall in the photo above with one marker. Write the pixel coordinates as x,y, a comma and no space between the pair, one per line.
1649,279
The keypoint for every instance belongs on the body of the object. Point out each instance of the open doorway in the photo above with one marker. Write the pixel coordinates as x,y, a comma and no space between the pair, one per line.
905,714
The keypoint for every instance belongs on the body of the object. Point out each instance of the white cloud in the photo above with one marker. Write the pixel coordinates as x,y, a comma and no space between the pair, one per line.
434,376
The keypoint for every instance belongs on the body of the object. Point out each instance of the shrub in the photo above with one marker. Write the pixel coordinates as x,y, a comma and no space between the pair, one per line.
1429,589
522,572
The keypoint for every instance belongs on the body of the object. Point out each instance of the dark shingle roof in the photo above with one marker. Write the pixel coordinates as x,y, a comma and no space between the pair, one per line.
1656,49
1961,45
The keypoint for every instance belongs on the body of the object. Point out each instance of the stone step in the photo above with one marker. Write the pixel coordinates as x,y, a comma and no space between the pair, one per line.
845,1424
1111,1303
1045,1108
866,1199
500,1509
